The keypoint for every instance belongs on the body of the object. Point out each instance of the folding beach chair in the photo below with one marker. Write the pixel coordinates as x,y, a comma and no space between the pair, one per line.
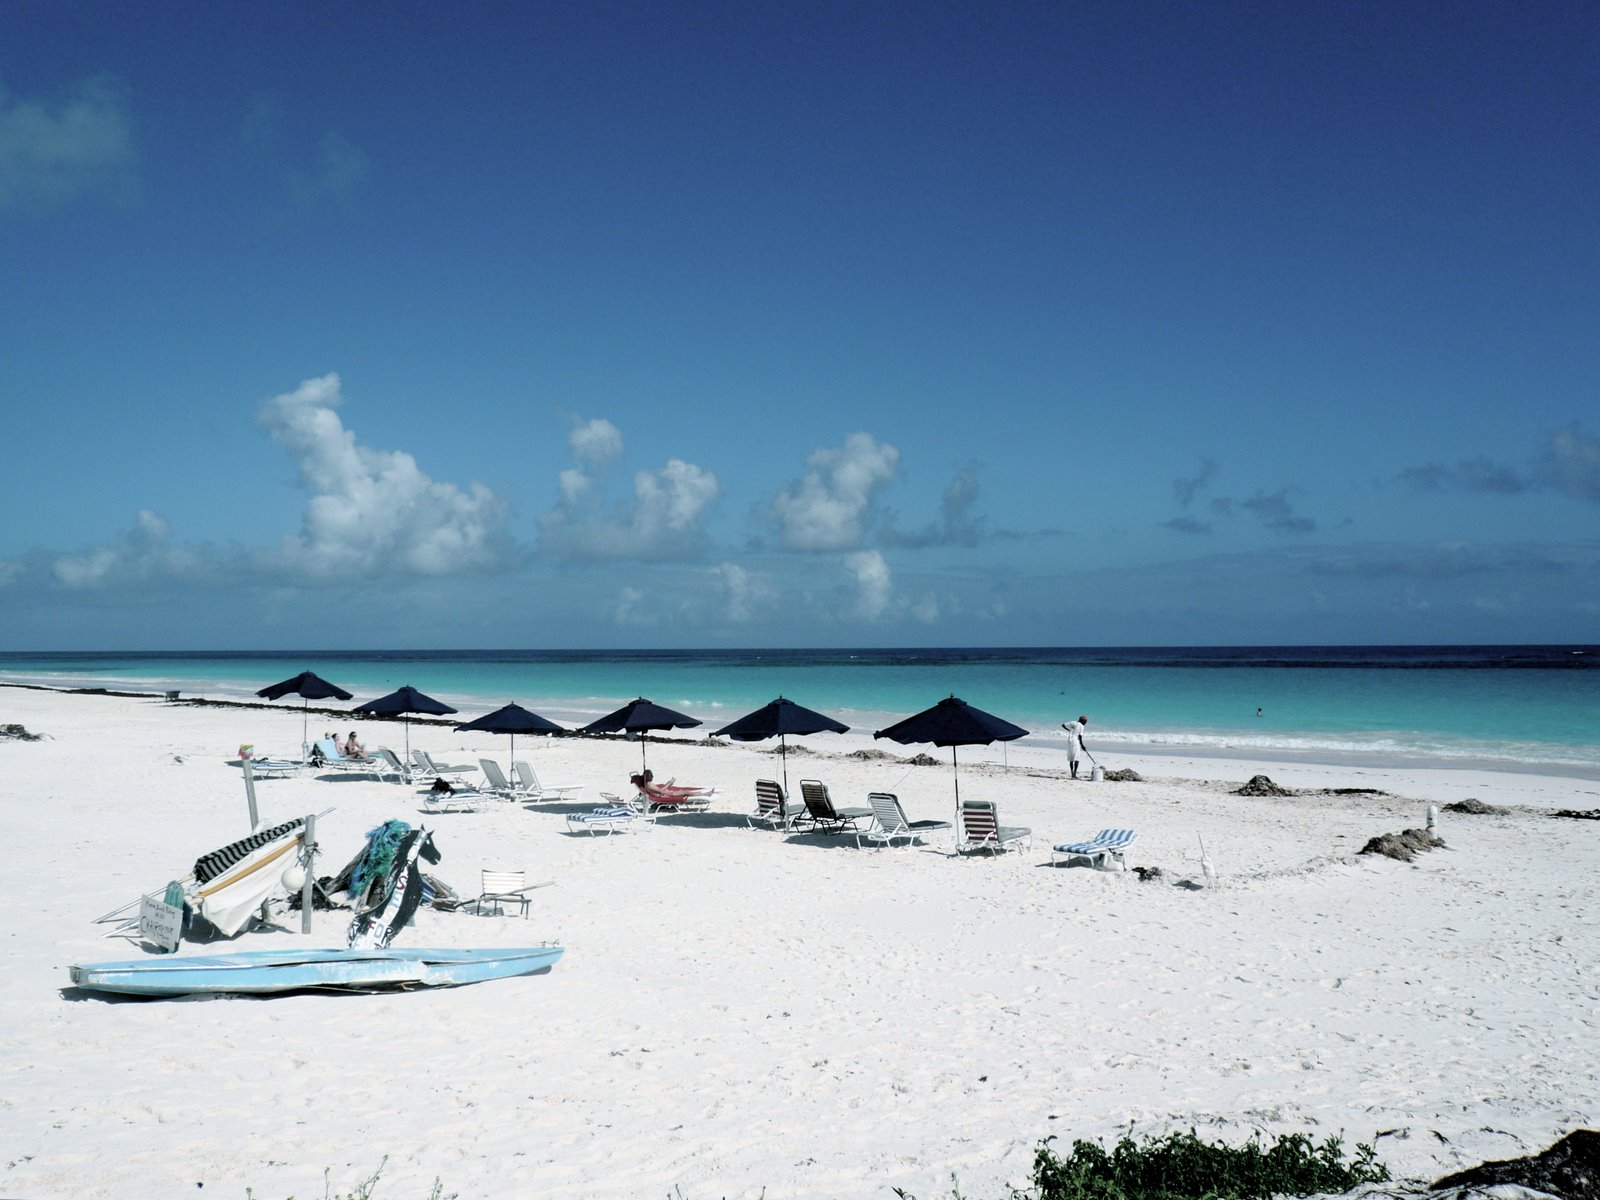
826,817
1106,850
981,830
890,823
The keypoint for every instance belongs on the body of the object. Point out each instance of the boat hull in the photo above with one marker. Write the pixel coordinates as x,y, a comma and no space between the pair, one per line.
263,972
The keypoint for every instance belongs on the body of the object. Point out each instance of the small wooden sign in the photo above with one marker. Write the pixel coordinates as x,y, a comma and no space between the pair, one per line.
160,924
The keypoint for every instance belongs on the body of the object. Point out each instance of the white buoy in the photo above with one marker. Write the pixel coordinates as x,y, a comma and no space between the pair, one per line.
1433,817
294,878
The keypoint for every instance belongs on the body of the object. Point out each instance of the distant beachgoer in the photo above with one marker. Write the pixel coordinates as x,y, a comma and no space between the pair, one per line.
341,745
1258,712
352,748
665,794
1075,744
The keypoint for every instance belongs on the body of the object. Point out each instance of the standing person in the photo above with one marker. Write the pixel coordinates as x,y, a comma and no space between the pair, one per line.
1075,744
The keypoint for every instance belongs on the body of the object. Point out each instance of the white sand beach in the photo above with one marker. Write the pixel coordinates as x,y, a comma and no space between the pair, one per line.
742,1014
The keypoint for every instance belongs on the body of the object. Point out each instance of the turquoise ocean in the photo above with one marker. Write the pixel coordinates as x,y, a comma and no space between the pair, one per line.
1509,707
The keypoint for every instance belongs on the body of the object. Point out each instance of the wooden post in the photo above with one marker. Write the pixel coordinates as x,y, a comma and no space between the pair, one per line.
250,793
309,845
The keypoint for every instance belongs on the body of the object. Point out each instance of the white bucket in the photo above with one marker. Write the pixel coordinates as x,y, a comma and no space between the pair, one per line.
1097,775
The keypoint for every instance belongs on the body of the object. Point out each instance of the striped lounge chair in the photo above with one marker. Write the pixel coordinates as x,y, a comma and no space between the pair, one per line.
1106,850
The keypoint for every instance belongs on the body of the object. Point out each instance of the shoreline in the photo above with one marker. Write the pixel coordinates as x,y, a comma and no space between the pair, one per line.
1119,750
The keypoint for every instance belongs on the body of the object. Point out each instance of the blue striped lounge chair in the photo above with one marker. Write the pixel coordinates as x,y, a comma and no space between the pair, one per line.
1106,850
981,831
615,816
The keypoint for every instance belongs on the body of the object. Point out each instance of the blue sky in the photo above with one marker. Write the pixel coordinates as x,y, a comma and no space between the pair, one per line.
561,325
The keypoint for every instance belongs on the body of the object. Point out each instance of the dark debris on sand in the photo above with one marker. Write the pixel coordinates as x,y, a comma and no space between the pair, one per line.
1125,775
1404,845
870,755
19,733
1260,785
923,760
1590,814
1474,808
1569,1169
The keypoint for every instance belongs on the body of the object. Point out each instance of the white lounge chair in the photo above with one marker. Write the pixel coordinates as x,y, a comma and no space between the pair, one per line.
981,830
456,800
616,816
495,781
389,764
1106,850
506,887
889,822
428,769
329,753
272,768
523,773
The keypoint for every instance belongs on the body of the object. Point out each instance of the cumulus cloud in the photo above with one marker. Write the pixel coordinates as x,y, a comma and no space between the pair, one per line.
665,520
828,509
53,151
1571,464
743,591
375,512
142,552
873,581
595,441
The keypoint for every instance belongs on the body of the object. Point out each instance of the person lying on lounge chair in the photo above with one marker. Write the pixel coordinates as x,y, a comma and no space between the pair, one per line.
665,794
351,747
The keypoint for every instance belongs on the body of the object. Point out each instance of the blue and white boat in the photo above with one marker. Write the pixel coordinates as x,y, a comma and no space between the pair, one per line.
263,972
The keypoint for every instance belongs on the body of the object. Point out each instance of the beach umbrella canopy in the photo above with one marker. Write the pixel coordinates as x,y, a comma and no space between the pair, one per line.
640,716
779,719
403,703
953,722
308,686
512,719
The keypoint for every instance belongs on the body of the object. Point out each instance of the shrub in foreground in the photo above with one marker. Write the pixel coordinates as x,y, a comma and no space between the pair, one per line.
1182,1167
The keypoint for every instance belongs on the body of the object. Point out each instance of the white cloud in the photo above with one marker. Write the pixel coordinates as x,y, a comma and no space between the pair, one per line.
1572,464
144,551
873,580
743,591
52,152
665,520
827,509
374,512
595,441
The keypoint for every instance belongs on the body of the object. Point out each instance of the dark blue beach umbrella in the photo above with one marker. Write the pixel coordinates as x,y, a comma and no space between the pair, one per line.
779,719
308,686
403,703
953,722
512,719
640,716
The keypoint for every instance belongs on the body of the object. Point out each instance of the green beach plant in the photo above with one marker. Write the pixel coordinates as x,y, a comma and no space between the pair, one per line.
1182,1167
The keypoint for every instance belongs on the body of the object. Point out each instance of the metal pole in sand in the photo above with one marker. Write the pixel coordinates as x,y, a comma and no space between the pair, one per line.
309,847
250,793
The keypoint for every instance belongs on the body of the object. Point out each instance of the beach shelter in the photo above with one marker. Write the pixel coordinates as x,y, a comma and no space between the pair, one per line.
640,716
403,703
779,719
512,719
953,722
308,686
